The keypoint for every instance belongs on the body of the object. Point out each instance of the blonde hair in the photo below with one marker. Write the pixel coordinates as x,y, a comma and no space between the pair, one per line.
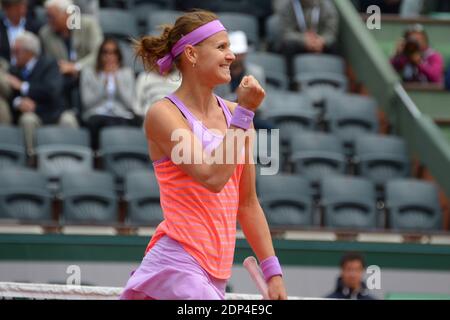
151,48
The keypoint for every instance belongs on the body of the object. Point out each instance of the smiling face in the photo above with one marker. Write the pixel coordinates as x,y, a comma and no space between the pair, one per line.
212,58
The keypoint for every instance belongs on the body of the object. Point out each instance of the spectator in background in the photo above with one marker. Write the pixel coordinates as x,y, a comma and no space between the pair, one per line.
5,92
107,91
12,23
447,79
74,49
307,26
350,284
36,87
151,87
415,61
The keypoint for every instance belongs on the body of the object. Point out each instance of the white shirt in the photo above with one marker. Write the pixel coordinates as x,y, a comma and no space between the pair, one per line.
25,85
14,31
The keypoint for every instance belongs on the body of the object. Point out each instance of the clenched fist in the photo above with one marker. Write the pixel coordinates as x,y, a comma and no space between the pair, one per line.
250,94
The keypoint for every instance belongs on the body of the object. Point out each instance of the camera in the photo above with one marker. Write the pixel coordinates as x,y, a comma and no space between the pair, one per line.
412,47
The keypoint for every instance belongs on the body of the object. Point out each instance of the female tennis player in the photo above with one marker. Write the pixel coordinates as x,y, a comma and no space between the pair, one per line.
190,255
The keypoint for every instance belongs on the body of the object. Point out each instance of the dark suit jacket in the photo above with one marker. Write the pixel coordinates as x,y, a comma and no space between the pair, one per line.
5,50
45,89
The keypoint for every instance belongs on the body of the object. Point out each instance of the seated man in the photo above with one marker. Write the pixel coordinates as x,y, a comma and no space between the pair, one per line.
350,284
73,48
415,61
36,88
5,92
13,22
308,26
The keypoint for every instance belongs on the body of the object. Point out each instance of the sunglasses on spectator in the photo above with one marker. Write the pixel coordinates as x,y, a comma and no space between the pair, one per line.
106,51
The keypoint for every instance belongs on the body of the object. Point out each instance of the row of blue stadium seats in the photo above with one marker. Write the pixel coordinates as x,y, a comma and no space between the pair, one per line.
123,149
146,19
60,149
351,203
90,197
315,155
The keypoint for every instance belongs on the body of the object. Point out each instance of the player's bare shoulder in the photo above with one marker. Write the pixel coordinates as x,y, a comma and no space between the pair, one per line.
158,114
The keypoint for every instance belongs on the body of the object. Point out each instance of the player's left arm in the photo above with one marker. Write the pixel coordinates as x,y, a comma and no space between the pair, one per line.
253,221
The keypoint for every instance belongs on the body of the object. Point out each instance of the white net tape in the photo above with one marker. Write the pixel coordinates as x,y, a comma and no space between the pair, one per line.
15,290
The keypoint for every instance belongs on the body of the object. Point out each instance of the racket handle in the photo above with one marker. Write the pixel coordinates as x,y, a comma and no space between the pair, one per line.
252,267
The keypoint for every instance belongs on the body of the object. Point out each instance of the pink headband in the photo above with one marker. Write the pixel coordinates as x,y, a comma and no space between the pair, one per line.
192,38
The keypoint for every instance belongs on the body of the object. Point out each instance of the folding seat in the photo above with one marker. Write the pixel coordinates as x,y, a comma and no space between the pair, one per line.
157,18
413,205
348,202
274,68
142,196
350,116
88,197
60,149
118,23
248,23
24,196
381,158
316,155
12,147
123,149
286,200
290,112
320,70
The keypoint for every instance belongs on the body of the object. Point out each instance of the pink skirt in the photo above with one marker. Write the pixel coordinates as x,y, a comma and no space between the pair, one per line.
168,272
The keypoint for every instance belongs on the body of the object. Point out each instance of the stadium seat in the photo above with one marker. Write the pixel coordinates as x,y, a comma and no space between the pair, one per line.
12,147
273,32
381,158
320,70
141,12
157,18
286,200
123,149
60,149
274,68
166,4
142,196
88,197
118,23
258,9
129,58
318,63
413,205
246,22
348,202
350,116
316,155
266,149
24,196
41,15
290,112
